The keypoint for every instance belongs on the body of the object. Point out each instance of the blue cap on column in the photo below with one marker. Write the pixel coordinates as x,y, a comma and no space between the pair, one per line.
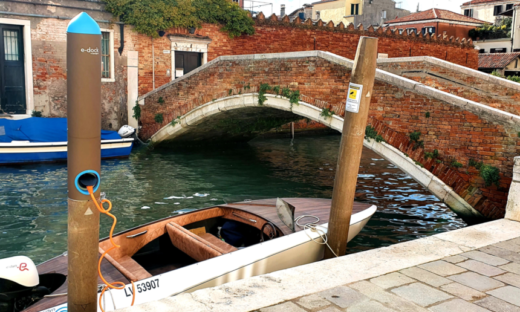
83,24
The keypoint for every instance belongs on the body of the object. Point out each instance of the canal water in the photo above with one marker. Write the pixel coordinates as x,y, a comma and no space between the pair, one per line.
153,184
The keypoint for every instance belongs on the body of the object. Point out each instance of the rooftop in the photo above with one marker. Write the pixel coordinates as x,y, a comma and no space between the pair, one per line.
481,1
496,60
436,14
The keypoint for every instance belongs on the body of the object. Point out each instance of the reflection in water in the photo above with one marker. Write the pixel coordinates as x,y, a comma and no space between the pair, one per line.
33,206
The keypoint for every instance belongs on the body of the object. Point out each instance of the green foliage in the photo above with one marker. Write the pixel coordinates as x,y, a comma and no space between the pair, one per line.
414,137
247,87
286,92
230,91
371,133
264,87
503,30
36,113
438,161
456,164
137,111
276,90
176,121
476,164
490,174
151,16
496,73
514,78
294,98
419,164
159,118
427,115
432,155
160,100
327,113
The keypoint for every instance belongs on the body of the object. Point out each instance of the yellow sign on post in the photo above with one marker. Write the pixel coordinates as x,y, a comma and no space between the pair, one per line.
354,98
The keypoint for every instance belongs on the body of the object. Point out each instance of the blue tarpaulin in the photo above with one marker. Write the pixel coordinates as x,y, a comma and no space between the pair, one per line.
41,130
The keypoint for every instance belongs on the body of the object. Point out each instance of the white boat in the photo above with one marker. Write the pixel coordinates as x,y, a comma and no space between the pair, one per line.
187,252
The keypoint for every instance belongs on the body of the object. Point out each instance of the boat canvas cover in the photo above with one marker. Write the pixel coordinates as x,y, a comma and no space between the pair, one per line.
38,129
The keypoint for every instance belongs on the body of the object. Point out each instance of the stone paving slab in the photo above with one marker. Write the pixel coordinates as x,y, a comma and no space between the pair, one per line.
481,268
423,275
496,305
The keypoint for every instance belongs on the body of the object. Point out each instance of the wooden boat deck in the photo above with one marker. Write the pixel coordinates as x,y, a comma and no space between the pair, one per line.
318,207
265,208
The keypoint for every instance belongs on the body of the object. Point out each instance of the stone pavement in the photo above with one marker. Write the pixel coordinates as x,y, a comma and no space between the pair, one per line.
472,269
485,279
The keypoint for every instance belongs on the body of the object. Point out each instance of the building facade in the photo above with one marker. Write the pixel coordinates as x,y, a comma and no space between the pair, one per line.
365,12
487,10
436,21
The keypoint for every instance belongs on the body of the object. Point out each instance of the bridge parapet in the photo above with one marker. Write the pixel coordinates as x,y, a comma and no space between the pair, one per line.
459,129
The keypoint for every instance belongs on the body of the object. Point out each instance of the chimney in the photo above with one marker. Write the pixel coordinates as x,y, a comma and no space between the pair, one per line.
282,10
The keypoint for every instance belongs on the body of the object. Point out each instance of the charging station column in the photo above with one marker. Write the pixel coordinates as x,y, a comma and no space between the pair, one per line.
83,160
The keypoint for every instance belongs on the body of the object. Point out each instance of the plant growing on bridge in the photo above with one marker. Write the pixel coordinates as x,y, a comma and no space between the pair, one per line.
137,111
456,164
276,90
327,113
176,121
432,155
151,16
414,137
371,133
160,100
159,118
264,87
427,115
230,91
490,174
36,113
476,164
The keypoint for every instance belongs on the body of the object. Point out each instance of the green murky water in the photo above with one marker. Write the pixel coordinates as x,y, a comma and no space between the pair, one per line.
33,207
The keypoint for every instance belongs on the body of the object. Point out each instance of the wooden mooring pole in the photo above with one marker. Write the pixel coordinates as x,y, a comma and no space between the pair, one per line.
355,121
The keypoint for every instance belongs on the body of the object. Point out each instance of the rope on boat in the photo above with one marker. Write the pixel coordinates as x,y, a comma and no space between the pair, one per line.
114,245
314,227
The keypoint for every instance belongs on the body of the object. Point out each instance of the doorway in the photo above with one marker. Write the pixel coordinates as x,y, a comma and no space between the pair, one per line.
186,62
12,76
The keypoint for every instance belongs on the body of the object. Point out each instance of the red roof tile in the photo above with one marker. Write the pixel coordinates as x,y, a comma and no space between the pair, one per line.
481,1
436,14
496,60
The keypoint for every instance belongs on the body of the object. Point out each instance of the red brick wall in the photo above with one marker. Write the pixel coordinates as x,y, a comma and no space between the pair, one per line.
457,31
49,48
274,36
457,134
458,83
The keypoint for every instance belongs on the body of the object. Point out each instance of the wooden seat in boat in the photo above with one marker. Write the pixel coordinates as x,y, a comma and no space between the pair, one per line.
195,246
128,267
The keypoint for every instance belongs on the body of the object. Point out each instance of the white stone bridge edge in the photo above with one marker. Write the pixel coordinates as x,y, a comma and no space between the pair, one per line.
395,156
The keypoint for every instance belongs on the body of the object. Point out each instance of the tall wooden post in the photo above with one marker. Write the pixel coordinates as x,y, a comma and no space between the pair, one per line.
356,114
83,159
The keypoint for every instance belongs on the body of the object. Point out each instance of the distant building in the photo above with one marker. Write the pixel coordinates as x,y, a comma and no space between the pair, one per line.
366,12
303,13
487,10
436,21
507,64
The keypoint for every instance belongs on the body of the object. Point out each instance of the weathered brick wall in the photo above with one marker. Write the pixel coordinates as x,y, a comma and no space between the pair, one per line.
455,133
49,48
274,36
470,87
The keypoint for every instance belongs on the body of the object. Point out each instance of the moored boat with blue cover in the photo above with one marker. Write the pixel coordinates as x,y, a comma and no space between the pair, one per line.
33,140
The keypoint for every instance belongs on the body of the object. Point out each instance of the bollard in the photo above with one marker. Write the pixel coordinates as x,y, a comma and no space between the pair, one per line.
83,159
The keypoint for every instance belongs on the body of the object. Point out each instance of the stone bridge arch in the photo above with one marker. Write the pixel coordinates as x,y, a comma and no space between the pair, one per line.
458,128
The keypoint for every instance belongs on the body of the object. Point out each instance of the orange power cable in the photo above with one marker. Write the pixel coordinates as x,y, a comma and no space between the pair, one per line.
114,245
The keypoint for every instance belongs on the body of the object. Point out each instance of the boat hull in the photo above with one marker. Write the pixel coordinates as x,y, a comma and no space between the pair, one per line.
21,153
282,253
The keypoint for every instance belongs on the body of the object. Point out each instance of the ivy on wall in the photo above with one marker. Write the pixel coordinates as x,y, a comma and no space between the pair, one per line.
151,16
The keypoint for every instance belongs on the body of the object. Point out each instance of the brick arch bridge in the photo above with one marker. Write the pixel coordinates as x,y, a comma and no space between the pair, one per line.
225,91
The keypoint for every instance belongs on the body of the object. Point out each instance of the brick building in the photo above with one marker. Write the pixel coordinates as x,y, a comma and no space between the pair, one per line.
134,64
436,21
